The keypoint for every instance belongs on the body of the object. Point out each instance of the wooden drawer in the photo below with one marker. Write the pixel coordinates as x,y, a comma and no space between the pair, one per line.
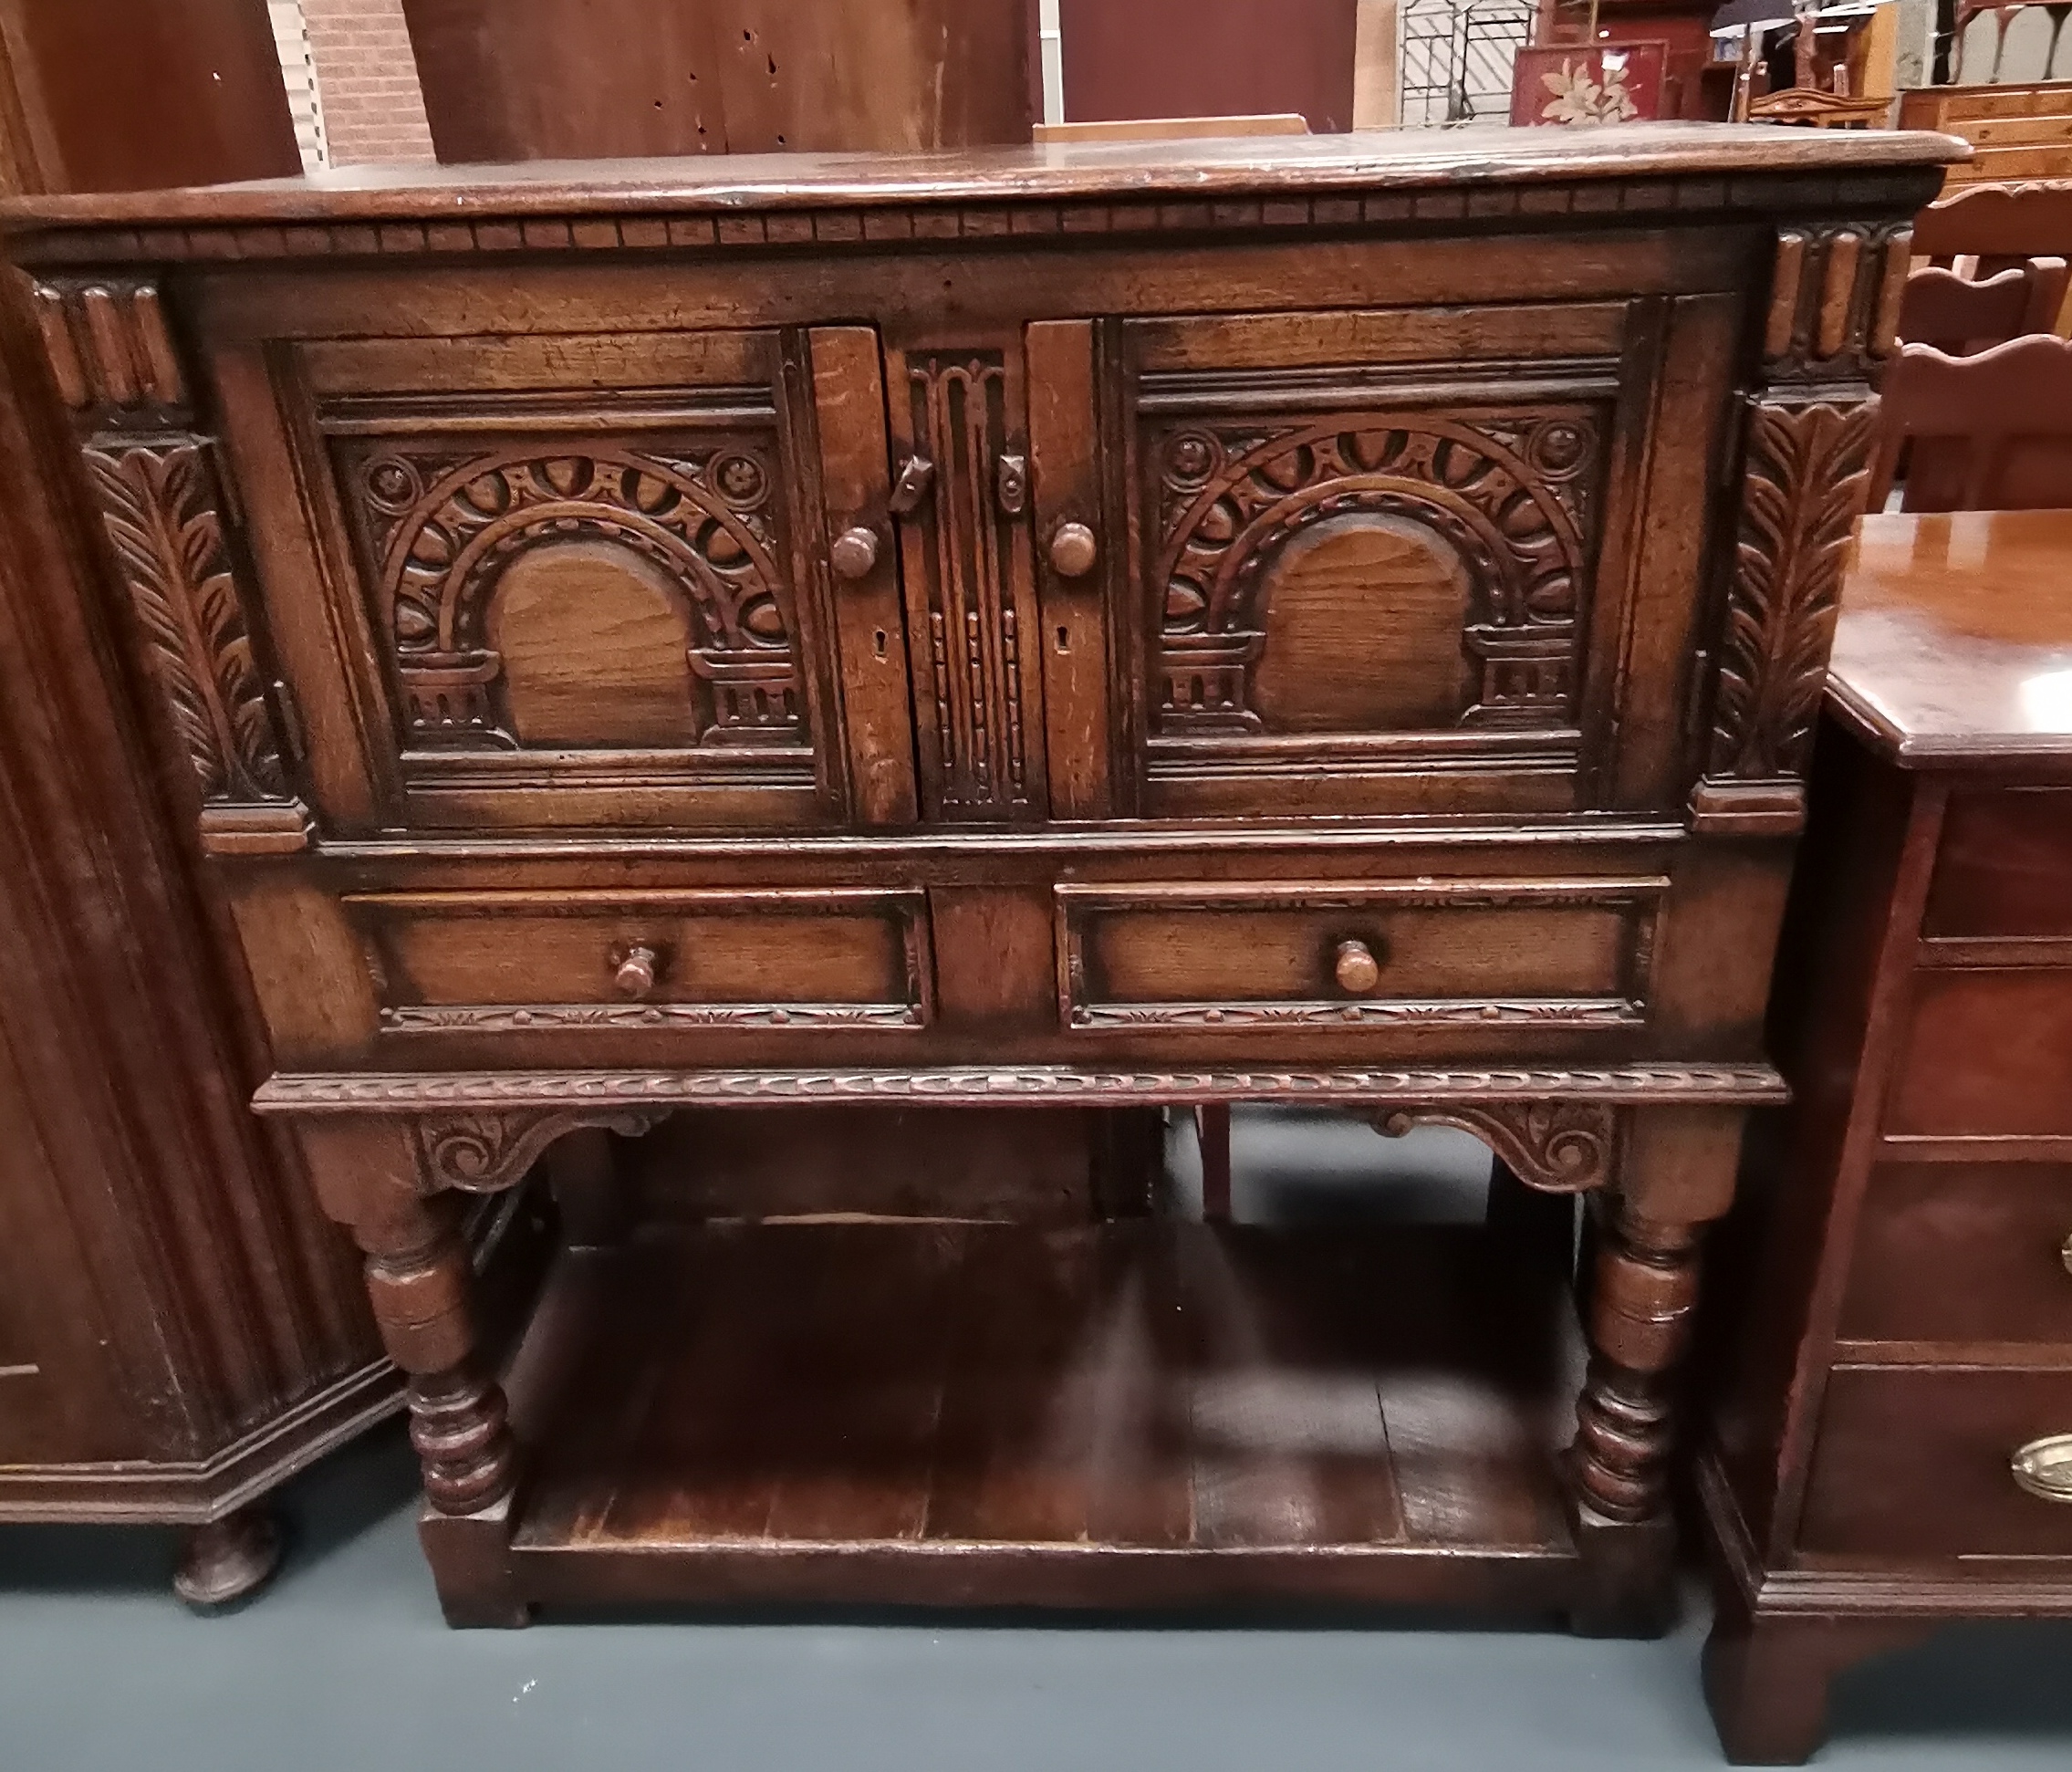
1917,1462
519,961
1988,1052
1963,1252
2001,867
1329,955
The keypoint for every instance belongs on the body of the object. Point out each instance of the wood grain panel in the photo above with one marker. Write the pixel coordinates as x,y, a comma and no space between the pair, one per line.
1987,1052
1962,1253
2003,869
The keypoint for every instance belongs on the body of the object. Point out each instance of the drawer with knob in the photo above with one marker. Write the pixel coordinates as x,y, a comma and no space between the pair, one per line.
535,962
1337,954
1971,1462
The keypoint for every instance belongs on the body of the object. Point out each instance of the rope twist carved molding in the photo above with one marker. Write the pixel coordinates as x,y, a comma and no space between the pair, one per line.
1558,1147
461,1093
161,507
484,1152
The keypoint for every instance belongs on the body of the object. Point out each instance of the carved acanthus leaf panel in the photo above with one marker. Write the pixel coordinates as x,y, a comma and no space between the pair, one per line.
1511,493
1807,476
1558,1147
443,524
159,504
482,1153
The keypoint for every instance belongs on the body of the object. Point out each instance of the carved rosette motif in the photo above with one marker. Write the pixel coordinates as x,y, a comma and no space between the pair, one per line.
1509,493
485,1152
444,525
1558,1147
160,508
1807,474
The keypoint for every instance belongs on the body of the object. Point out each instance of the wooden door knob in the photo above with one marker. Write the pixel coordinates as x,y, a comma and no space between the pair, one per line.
1072,550
854,552
636,974
1355,968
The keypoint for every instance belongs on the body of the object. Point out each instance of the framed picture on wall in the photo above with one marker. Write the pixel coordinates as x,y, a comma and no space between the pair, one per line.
1588,83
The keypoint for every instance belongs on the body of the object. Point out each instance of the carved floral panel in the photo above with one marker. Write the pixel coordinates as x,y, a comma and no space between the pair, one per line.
1505,500
444,522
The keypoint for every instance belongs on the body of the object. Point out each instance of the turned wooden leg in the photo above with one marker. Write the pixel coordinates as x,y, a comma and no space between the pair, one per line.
1675,1175
420,1279
1211,1134
1767,1679
228,1559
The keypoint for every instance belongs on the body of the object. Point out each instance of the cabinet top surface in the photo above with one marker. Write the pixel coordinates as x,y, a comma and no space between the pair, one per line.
1954,644
1199,169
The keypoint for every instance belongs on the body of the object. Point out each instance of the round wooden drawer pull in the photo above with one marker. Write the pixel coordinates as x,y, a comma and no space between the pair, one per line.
1355,968
2043,1467
636,974
854,552
1072,550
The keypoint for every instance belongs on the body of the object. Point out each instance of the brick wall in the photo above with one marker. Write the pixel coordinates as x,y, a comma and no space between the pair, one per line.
373,109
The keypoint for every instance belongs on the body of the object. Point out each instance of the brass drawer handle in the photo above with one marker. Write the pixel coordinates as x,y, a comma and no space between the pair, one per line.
2043,1467
635,976
1355,968
1072,550
854,553
2065,1255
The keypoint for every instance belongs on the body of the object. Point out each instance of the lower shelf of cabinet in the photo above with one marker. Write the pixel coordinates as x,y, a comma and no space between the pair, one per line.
1139,1413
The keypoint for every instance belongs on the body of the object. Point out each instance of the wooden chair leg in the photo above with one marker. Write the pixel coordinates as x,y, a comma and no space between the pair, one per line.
1212,1132
582,1170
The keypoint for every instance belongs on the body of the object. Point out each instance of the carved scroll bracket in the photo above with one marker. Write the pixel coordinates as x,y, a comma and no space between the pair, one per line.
485,1152
1558,1147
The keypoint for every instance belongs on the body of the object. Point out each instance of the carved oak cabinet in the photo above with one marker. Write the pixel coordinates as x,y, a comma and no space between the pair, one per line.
1333,620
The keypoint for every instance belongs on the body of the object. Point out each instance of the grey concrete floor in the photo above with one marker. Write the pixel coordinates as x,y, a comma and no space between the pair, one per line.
344,1665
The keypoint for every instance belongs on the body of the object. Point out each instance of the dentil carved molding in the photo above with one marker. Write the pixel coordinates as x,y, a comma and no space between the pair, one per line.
1558,1147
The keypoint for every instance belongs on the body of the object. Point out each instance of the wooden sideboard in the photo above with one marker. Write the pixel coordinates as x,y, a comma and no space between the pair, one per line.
1893,1443
1330,620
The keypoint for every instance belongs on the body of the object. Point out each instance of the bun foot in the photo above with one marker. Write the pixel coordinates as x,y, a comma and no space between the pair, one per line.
228,1559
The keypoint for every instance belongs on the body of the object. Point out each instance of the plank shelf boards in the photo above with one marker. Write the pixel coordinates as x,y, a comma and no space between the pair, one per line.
1136,1412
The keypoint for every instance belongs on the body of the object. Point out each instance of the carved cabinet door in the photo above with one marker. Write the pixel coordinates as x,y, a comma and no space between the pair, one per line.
617,580
1440,558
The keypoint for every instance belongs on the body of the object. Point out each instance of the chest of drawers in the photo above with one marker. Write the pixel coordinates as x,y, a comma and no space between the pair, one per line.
1893,1444
1332,621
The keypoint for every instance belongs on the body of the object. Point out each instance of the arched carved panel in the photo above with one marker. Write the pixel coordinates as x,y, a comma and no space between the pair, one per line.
1510,494
442,524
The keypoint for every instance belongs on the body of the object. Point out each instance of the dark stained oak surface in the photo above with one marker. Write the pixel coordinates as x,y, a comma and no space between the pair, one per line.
1957,636
997,1407
1193,167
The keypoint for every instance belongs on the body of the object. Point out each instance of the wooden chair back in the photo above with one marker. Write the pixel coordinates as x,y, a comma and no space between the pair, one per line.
1962,318
1989,433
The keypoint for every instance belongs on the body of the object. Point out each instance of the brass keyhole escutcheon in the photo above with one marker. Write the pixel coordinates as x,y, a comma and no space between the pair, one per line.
1072,550
1355,968
635,976
854,553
